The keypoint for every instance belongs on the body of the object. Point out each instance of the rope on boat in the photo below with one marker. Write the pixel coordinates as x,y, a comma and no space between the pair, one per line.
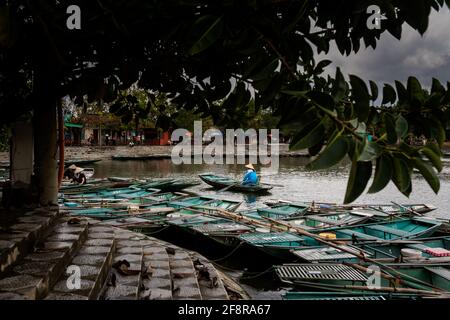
229,254
259,274
155,232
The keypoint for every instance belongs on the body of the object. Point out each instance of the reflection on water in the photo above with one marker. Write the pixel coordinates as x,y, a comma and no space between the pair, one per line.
299,183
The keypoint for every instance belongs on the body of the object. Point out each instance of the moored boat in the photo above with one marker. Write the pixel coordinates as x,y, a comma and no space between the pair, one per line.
337,277
222,182
284,211
80,162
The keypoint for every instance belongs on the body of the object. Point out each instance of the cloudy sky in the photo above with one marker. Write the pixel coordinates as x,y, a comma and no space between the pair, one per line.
424,56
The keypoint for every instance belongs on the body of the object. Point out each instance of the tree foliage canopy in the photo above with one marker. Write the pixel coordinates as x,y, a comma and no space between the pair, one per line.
189,50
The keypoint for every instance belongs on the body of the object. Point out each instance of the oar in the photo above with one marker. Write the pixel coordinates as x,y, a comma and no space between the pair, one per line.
408,209
228,187
273,185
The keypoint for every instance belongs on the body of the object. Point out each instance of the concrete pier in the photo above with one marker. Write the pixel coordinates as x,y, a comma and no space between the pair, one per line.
45,254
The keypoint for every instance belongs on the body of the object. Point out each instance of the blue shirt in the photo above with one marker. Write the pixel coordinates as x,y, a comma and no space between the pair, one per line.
250,177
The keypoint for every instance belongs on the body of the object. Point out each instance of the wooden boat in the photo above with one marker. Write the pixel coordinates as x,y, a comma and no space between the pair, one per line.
410,228
103,195
328,220
170,185
229,205
116,213
387,209
221,230
347,296
222,182
140,157
425,251
80,162
331,276
284,211
178,185
276,244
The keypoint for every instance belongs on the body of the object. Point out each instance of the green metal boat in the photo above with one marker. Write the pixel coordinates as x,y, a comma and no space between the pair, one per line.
230,205
276,244
382,209
410,228
284,211
80,162
222,182
347,296
327,220
337,277
140,157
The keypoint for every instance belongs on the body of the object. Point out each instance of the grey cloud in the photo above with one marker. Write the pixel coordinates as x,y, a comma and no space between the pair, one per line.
425,56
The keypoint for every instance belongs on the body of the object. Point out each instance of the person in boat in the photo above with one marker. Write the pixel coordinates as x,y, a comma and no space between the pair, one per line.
70,172
78,176
250,176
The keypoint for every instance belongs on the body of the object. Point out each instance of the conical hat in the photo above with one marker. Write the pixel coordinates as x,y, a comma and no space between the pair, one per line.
78,170
72,167
249,166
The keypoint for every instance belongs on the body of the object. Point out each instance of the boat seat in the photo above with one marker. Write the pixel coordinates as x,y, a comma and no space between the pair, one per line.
279,212
393,231
440,271
325,220
358,234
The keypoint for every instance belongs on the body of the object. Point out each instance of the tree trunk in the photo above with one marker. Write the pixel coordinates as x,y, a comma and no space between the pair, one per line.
46,164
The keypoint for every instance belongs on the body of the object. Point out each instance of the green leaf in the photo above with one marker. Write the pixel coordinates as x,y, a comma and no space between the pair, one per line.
339,89
209,36
383,174
361,97
437,87
415,92
401,92
401,176
401,127
321,65
389,125
360,173
373,90
370,152
295,93
331,155
312,137
428,173
438,131
389,95
321,98
434,157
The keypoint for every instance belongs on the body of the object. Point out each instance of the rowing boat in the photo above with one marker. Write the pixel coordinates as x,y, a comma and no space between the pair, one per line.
347,296
284,211
80,162
332,276
328,220
140,157
229,205
221,182
410,228
276,244
387,209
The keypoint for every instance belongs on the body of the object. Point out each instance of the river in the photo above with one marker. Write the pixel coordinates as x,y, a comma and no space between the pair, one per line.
298,183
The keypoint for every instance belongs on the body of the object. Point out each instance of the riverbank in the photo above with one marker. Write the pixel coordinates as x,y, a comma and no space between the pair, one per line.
107,152
160,152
